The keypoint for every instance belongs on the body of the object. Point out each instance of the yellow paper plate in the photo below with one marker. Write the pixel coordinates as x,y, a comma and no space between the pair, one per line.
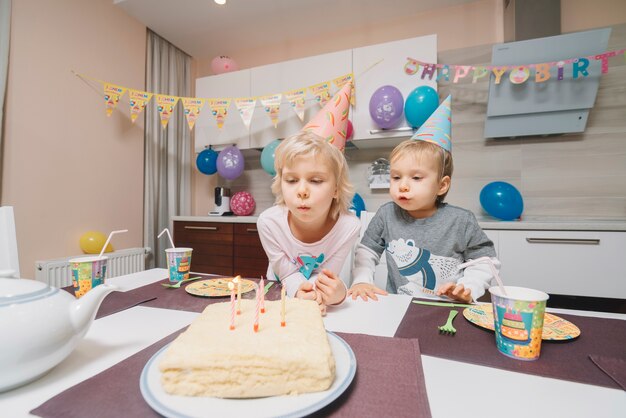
554,328
217,287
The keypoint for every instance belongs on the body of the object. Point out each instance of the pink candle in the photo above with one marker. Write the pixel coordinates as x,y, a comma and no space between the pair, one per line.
231,286
262,286
282,307
237,280
259,291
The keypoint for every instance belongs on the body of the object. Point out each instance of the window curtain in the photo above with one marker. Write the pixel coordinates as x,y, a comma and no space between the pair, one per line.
5,35
168,152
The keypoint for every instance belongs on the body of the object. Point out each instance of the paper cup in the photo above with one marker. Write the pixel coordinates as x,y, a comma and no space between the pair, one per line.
87,273
178,263
518,321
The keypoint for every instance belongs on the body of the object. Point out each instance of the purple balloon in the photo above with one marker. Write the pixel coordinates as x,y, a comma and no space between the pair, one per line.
386,105
230,162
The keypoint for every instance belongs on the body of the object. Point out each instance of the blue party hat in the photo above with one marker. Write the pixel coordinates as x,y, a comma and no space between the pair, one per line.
437,128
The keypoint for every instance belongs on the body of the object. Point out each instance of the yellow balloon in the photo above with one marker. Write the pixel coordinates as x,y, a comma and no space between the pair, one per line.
91,242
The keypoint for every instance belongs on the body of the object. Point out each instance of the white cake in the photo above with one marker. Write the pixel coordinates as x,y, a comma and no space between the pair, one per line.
209,359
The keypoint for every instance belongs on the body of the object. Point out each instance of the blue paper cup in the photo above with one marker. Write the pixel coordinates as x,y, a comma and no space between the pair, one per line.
178,263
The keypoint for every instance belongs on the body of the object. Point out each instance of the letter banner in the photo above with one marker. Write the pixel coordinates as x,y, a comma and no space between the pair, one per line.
321,93
271,104
245,105
112,94
219,108
296,100
192,108
138,100
165,106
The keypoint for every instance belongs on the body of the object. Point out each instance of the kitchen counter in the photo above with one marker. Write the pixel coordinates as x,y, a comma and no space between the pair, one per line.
529,223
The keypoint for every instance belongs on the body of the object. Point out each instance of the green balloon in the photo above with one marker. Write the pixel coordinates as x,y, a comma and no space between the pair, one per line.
267,157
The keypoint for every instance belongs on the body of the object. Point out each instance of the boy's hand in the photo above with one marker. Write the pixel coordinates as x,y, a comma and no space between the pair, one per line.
456,292
330,286
366,290
308,292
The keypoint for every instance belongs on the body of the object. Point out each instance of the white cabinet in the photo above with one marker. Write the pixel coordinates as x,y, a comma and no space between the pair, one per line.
389,71
581,263
228,85
290,75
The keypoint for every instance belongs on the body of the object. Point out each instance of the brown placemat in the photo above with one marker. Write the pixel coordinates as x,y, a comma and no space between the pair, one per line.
614,367
118,301
566,360
389,382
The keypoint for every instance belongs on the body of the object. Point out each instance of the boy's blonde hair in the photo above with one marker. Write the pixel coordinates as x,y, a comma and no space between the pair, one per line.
423,149
310,144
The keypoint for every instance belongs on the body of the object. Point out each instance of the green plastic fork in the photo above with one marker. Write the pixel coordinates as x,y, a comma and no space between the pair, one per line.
448,329
177,285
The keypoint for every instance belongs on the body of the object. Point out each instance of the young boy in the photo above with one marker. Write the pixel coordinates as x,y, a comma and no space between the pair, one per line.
424,238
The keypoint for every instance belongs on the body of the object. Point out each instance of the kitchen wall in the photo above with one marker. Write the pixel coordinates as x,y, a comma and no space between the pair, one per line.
67,168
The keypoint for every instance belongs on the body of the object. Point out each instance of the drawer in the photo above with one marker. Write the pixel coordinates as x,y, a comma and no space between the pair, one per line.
203,232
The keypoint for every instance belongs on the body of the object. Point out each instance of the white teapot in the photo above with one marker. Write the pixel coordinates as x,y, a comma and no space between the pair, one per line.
40,326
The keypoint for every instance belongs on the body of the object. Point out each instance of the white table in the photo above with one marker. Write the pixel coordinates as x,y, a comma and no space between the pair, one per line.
115,337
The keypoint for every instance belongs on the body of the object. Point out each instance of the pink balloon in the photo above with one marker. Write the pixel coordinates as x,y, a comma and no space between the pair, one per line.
242,204
349,130
223,64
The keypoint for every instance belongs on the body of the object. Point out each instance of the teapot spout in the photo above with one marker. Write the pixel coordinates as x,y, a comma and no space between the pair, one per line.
83,310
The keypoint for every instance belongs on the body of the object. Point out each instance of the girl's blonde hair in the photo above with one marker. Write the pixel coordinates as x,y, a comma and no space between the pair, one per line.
423,149
312,145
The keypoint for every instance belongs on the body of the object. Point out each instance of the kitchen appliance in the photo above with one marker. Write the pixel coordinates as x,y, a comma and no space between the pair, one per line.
222,202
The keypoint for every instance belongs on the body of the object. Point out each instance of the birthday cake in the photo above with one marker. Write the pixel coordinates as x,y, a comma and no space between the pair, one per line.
210,359
513,327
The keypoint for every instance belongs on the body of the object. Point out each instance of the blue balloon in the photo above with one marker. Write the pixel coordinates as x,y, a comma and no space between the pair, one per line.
207,161
420,104
502,200
357,204
267,157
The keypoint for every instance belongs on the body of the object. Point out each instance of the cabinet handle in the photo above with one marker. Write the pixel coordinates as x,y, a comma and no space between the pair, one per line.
205,228
580,241
252,230
382,131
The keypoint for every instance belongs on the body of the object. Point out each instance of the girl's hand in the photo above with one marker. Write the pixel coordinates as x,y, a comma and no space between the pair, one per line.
308,292
366,290
456,292
331,288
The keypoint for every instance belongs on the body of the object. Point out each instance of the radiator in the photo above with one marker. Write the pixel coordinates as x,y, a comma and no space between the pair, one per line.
57,272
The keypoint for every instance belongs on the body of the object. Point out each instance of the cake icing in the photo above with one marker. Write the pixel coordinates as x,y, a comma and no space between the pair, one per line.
209,359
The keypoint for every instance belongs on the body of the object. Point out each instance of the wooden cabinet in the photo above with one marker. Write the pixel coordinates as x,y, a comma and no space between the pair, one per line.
222,248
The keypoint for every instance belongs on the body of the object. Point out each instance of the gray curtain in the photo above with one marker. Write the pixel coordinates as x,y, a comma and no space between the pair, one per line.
5,35
168,153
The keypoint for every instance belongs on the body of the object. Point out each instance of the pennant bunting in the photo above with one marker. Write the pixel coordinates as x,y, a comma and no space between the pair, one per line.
321,92
246,105
297,101
348,78
138,100
271,104
165,106
219,108
112,94
192,108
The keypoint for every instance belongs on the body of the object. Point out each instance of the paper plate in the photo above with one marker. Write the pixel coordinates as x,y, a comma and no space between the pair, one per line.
554,328
217,287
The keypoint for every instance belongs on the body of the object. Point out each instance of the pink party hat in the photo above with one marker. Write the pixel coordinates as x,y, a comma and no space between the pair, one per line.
436,129
331,122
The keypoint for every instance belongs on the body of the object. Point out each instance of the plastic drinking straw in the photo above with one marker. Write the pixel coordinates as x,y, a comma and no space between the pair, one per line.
486,260
109,239
168,235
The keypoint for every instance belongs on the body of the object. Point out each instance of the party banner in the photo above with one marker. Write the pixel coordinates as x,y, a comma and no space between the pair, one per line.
246,105
112,94
517,74
165,106
348,78
219,108
192,108
138,100
271,104
321,92
296,99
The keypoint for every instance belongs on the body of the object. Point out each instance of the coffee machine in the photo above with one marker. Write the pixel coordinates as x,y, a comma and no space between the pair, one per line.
222,202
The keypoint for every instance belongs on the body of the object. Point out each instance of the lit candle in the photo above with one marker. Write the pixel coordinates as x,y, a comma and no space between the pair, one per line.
262,287
231,286
259,291
282,307
238,281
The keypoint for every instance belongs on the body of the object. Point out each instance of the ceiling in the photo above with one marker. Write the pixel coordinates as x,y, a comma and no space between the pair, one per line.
205,29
